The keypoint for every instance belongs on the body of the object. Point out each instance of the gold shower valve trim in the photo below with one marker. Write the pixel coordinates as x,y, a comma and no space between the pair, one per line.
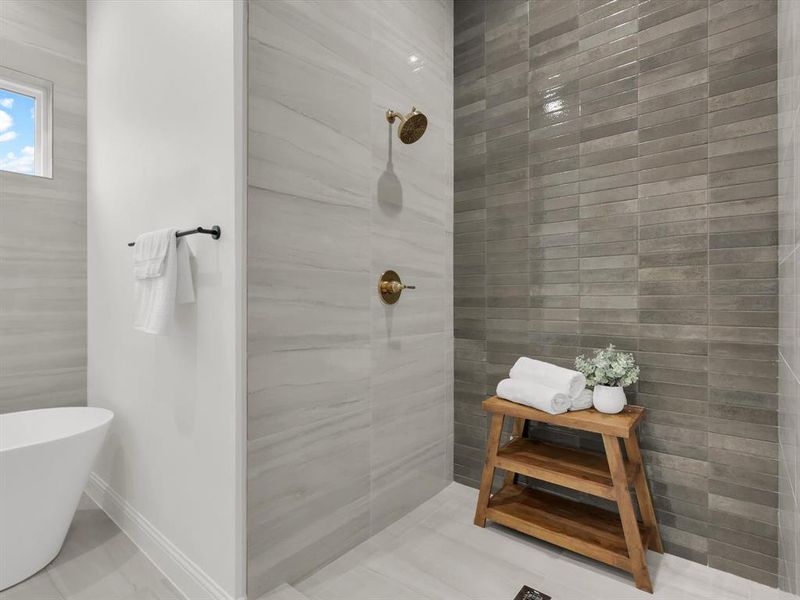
390,287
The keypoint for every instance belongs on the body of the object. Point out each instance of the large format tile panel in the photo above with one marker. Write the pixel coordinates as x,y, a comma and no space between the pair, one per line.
437,553
350,401
308,341
97,561
43,223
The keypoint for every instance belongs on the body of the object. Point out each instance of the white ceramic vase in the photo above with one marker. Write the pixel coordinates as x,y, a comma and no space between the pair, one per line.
608,399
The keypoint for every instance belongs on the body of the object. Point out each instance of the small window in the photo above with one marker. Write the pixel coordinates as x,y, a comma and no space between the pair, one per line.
25,123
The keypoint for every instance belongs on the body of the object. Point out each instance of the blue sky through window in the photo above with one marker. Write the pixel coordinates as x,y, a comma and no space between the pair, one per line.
17,132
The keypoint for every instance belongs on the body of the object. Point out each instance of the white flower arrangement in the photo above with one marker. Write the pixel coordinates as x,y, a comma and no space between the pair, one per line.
608,367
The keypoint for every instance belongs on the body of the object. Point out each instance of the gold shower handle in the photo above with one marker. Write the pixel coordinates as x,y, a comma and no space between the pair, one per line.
393,287
390,287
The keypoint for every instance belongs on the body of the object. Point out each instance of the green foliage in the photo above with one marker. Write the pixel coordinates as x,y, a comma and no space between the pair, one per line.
608,367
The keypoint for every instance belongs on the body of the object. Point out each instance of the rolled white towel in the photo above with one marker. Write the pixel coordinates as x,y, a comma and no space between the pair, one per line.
533,394
566,381
583,401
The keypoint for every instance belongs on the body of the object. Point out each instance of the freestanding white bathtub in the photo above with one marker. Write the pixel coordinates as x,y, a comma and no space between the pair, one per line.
45,460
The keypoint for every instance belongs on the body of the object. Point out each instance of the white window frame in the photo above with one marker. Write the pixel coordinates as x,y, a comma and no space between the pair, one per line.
42,92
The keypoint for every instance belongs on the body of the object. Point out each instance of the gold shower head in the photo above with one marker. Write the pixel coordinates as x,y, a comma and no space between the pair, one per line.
412,125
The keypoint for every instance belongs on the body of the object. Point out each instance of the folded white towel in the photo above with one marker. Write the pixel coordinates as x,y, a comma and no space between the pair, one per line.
583,401
533,394
150,253
566,381
155,296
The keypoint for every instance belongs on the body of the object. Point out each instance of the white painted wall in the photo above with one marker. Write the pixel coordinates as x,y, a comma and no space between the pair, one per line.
164,138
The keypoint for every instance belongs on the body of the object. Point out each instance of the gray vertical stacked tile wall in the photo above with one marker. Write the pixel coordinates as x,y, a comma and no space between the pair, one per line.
616,182
788,253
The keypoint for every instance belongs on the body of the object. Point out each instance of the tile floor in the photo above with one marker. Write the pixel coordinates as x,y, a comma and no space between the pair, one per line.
97,562
433,553
436,553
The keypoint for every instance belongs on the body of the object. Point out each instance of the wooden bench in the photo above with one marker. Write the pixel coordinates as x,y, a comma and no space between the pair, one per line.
615,539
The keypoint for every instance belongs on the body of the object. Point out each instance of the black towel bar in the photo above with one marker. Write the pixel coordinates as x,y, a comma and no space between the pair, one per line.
215,232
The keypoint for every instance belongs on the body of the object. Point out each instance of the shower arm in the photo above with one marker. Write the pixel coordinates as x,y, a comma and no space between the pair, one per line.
391,115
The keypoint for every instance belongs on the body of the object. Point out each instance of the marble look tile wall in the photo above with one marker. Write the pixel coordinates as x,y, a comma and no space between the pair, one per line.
350,401
616,182
43,221
789,261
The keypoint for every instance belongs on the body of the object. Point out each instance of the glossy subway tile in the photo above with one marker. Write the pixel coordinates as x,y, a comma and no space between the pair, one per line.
652,211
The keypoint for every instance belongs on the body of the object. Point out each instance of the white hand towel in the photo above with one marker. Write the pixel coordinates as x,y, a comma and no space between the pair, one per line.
583,401
533,394
566,381
150,253
155,297
184,294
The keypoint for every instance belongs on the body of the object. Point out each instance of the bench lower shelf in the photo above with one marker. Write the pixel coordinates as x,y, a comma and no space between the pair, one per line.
585,529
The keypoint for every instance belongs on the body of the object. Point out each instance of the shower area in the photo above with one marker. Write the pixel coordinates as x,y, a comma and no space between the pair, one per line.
592,172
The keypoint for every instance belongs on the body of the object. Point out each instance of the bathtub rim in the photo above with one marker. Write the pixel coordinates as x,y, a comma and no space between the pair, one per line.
107,417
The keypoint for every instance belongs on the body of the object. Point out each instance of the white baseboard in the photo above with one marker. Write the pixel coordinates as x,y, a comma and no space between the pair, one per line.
178,568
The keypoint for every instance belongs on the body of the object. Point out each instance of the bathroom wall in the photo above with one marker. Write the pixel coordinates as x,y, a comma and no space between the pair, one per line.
349,401
789,261
616,182
43,221
165,130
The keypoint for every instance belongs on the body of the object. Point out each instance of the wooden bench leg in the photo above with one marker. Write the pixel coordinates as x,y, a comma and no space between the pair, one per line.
643,492
630,526
516,431
493,443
